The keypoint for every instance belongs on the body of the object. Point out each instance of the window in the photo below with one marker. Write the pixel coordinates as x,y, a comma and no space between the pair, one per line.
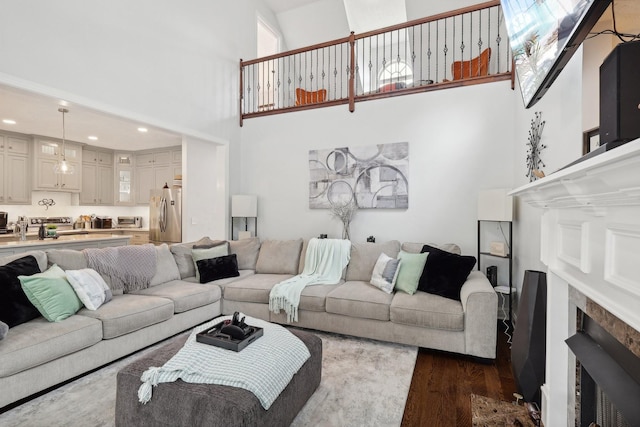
396,71
268,44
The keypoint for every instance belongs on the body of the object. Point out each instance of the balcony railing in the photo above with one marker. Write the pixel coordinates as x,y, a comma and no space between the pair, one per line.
465,46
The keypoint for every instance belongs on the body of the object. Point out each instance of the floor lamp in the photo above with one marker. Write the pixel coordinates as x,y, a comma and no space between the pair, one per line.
244,206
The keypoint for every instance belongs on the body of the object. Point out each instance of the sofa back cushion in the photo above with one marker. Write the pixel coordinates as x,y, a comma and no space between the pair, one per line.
416,248
67,259
40,256
166,267
279,257
246,251
364,257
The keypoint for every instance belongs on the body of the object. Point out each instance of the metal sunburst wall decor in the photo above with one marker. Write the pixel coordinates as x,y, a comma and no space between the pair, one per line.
534,162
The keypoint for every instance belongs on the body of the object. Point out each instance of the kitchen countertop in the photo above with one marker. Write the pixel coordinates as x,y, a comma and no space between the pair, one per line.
110,230
61,239
33,235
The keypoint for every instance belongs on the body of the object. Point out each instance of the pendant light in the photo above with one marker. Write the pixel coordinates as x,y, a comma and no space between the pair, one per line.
62,166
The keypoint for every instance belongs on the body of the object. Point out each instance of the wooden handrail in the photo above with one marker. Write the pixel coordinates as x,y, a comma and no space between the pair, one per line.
427,19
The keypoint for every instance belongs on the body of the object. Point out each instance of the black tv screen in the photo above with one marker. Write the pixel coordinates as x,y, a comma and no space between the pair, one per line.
544,34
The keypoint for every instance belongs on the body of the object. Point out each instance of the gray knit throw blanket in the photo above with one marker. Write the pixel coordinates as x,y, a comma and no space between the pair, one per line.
128,267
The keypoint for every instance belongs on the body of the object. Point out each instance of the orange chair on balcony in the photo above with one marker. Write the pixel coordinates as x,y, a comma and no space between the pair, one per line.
304,97
475,67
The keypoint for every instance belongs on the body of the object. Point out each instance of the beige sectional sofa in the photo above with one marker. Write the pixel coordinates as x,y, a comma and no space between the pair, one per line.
39,354
353,306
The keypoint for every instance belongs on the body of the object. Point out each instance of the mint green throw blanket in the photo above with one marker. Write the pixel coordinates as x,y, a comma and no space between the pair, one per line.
323,265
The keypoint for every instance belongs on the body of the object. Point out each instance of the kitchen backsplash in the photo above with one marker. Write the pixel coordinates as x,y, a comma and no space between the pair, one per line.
66,204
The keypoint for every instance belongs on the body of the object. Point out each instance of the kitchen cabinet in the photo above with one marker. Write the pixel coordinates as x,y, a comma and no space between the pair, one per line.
97,177
124,179
15,185
47,155
154,170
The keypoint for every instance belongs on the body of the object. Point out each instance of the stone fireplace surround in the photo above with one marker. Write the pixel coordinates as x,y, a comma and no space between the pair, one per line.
590,243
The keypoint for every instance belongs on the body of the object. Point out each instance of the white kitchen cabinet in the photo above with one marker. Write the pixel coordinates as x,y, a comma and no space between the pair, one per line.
97,177
15,185
125,179
47,155
154,170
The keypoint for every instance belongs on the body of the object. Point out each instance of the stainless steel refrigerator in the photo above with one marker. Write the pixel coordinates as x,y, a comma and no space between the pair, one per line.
165,215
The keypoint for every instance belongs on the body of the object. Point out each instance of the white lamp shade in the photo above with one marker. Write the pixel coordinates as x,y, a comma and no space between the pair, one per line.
244,206
495,205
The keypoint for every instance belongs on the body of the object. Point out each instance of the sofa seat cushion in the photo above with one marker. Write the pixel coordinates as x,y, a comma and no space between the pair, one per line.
428,311
185,295
255,288
40,341
313,298
359,299
128,313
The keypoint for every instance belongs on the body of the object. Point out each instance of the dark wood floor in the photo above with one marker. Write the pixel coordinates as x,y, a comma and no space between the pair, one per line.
442,384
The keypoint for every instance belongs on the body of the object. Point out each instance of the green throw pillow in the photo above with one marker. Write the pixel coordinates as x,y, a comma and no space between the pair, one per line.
410,271
208,253
51,294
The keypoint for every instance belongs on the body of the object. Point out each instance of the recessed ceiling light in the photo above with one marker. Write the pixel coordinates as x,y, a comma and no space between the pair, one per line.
9,121
93,138
143,130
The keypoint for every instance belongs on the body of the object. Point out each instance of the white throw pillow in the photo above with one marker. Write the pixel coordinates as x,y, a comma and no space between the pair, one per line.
385,273
90,287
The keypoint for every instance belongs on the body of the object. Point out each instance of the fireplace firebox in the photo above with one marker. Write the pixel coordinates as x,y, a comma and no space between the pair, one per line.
607,380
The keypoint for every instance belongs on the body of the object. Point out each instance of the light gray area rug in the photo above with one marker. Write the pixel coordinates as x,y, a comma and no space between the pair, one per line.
364,383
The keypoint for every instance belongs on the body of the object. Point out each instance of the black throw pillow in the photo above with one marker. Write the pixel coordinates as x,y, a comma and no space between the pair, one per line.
445,272
15,307
218,268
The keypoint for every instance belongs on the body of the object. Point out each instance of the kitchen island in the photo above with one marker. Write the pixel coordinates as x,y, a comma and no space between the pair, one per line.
10,244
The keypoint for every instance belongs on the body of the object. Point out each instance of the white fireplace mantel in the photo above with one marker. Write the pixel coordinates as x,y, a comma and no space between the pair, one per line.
590,240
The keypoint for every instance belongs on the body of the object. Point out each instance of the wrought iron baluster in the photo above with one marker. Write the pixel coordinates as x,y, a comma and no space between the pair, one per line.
480,43
429,54
489,37
498,38
470,39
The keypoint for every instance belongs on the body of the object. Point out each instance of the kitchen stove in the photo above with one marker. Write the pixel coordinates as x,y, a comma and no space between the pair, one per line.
63,222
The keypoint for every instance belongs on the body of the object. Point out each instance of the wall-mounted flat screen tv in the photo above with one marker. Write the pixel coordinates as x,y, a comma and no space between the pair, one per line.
544,34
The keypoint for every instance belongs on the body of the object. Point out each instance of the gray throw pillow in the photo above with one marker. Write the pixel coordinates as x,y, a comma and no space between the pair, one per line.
4,329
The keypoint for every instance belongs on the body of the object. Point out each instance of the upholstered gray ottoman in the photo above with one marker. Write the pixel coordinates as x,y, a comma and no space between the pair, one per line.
184,404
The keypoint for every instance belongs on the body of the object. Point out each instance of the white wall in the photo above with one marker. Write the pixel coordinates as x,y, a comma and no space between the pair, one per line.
314,23
169,64
460,141
562,134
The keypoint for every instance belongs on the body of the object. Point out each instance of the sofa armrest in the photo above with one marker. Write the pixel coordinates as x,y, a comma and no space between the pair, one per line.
480,306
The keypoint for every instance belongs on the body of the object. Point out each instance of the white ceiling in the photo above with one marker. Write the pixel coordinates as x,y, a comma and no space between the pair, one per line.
37,114
284,5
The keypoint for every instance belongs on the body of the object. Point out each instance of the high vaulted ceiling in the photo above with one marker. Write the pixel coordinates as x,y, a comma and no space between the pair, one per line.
37,114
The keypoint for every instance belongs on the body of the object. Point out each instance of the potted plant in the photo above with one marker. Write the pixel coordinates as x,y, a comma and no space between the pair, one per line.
51,229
